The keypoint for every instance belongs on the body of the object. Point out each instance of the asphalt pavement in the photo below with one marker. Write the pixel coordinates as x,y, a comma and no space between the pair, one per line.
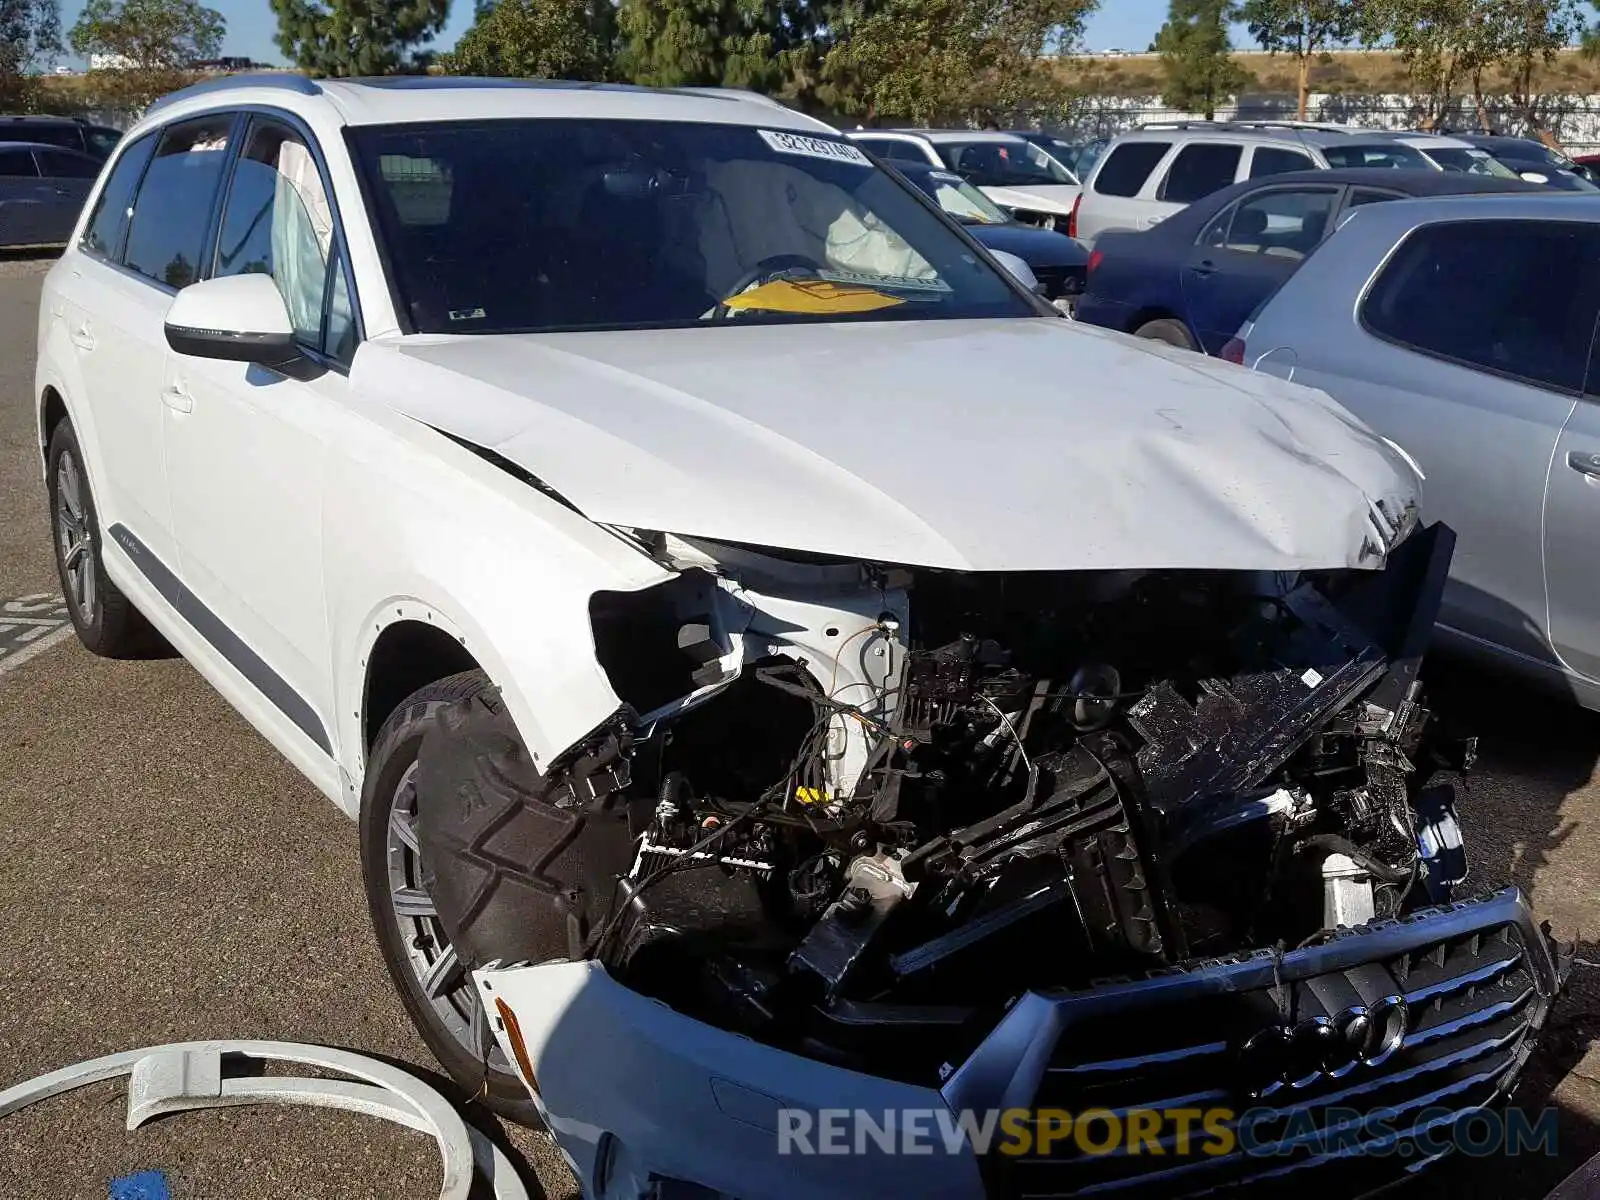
165,876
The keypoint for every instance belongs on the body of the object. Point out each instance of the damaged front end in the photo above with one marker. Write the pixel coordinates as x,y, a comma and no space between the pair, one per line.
1043,840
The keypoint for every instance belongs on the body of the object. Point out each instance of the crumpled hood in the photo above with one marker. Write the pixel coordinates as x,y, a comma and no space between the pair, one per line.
977,445
1043,197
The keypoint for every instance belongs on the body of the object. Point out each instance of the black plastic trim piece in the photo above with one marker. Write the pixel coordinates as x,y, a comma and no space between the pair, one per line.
226,643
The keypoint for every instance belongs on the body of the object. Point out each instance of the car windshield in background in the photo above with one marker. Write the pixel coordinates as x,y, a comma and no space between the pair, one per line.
1471,162
1003,164
960,199
1387,154
532,225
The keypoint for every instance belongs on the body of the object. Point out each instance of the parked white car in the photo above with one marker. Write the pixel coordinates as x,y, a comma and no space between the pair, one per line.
776,663
1020,176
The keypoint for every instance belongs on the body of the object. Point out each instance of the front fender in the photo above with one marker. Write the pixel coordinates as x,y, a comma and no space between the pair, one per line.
418,527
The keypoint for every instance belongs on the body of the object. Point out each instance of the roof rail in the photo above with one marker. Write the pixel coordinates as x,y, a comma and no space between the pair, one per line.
287,81
731,93
1184,125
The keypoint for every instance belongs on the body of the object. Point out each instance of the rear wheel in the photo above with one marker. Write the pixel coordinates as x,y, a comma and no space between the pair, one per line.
432,978
106,621
1168,330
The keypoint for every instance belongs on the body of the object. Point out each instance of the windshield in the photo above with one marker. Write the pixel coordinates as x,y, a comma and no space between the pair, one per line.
1470,162
1009,163
1381,154
532,225
960,199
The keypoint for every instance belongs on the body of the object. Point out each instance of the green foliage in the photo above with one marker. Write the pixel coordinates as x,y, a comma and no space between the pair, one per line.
1196,57
30,31
538,39
357,37
954,61
672,43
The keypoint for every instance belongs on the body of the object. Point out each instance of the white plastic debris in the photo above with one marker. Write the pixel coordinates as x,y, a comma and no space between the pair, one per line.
188,1075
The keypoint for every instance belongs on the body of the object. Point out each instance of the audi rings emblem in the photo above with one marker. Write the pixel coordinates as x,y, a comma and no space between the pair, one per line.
1296,1056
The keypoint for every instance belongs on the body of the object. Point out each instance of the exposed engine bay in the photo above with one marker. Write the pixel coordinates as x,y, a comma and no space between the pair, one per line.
855,810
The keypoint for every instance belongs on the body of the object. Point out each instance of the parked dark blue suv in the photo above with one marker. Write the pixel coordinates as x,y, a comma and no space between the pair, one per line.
1194,279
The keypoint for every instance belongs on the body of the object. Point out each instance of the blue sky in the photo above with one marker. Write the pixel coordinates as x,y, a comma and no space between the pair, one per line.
1124,24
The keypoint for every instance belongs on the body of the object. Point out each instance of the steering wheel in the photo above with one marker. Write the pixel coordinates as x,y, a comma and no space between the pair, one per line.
775,264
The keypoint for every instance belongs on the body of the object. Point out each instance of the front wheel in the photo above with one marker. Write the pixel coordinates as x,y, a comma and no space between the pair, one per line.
1168,330
432,979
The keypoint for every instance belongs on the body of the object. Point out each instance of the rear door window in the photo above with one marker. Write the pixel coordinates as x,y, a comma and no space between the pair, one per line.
1269,160
172,213
1284,223
1513,298
1128,167
1200,169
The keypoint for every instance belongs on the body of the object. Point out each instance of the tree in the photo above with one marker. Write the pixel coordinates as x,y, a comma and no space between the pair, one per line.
1302,29
713,43
154,44
357,37
934,61
1439,43
541,39
149,35
1196,58
1522,38
30,31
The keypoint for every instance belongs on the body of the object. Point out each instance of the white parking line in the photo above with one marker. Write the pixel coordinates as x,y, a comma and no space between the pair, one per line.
30,625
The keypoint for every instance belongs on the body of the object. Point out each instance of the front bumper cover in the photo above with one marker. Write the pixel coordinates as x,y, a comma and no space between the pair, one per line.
634,1091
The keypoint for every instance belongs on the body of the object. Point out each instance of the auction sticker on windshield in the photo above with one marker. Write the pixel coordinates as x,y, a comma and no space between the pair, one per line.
796,143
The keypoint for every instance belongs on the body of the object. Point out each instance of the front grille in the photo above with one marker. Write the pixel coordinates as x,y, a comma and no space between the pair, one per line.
1473,981
1060,281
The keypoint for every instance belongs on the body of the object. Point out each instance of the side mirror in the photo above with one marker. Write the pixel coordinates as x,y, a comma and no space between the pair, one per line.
239,318
1020,270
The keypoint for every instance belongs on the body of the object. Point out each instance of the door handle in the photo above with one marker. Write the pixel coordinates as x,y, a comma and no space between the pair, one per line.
1204,268
1584,464
81,337
60,191
176,398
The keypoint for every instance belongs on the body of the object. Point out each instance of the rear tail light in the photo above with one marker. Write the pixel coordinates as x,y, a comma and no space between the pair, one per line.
1072,220
1234,351
1095,259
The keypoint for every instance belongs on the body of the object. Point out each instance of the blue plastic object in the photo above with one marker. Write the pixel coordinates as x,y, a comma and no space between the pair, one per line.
146,1185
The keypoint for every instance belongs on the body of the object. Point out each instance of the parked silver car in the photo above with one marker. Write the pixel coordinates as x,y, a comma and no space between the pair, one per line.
42,190
1463,329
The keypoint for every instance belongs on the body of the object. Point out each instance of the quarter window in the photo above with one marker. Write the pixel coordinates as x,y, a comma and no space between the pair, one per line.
1515,298
103,234
172,214
278,222
1200,169
1268,160
1127,168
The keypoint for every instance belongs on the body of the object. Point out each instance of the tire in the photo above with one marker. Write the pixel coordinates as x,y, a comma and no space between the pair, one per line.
449,775
413,945
106,621
1168,330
